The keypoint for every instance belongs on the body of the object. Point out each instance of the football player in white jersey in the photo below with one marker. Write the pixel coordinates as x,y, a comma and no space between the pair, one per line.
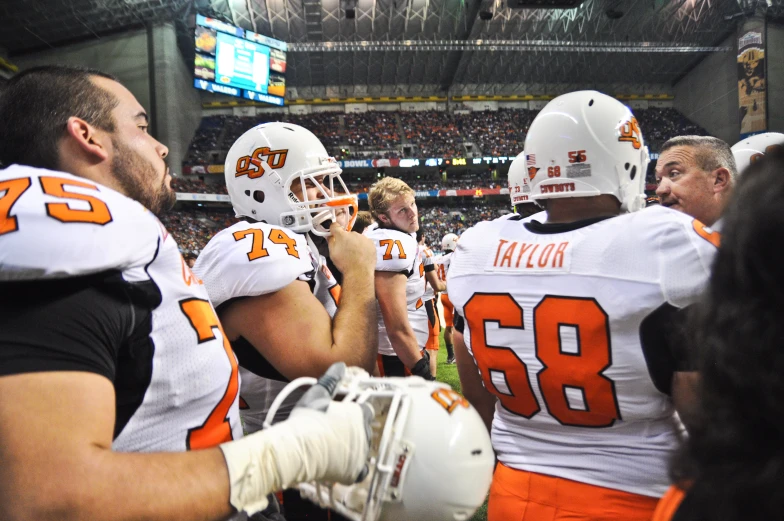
433,284
749,150
109,346
519,176
290,195
400,284
567,338
448,245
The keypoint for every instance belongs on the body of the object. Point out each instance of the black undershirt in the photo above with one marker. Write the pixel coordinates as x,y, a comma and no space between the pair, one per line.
98,324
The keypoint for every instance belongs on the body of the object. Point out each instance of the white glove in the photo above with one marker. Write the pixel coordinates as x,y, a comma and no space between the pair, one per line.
322,440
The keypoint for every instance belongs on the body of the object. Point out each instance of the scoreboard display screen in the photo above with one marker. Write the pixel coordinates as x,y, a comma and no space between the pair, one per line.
232,61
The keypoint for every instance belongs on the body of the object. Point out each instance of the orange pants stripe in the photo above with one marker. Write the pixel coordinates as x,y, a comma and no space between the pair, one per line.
434,326
669,504
517,495
449,310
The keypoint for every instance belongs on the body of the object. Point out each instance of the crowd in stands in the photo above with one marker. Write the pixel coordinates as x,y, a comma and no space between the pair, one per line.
422,181
205,140
439,220
326,125
498,133
193,228
436,133
194,185
660,124
376,130
378,134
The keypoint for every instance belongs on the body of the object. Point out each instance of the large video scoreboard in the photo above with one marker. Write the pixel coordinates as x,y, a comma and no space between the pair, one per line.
232,61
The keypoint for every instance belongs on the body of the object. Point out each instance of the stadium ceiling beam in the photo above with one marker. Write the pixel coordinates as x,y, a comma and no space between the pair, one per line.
454,58
505,45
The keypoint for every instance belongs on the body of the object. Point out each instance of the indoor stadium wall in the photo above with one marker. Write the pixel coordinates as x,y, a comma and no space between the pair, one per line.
708,94
775,77
123,55
178,104
176,110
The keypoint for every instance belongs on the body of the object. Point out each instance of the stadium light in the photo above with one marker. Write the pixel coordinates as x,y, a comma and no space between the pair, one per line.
544,4
505,45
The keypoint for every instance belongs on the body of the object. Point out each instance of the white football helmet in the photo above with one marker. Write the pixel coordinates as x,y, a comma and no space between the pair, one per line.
430,455
449,242
263,164
584,144
519,184
749,150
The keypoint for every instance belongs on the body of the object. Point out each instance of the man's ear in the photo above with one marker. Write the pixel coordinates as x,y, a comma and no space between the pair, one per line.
721,179
91,141
383,219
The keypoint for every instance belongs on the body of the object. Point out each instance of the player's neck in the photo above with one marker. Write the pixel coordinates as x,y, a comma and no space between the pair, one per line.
576,209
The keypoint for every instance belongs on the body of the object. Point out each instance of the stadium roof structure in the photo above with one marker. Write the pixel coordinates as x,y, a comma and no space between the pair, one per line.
415,47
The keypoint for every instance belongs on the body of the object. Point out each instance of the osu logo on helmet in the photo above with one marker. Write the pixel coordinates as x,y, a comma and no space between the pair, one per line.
630,132
251,165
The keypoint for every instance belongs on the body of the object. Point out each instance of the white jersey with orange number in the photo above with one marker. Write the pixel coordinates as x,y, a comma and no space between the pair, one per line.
565,324
398,252
179,376
253,259
442,266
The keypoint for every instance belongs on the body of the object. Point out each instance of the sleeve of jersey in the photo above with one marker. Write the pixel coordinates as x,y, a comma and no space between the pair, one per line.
465,261
395,251
686,253
242,261
66,237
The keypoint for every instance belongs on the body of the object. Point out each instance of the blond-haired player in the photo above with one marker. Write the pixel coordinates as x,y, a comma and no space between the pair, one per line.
400,284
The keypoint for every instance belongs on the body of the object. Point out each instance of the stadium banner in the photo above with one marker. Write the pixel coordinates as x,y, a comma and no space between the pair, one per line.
210,198
215,169
380,163
368,163
752,88
356,163
474,192
362,196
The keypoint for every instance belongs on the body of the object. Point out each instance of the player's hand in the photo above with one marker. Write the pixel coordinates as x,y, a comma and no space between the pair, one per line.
350,251
322,440
344,428
422,367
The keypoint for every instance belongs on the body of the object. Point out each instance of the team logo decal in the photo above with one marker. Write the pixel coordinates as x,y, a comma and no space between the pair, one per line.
251,165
